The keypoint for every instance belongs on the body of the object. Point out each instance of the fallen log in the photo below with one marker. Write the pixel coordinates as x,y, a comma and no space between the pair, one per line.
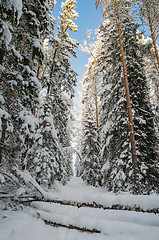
113,207
54,224
133,208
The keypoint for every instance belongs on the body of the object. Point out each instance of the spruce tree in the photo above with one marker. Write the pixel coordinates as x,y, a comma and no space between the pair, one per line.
21,87
59,78
44,157
91,162
90,166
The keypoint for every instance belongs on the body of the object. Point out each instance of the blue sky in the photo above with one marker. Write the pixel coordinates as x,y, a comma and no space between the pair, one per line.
89,18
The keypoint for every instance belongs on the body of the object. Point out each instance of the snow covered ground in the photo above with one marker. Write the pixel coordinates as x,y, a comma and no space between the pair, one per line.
77,190
113,225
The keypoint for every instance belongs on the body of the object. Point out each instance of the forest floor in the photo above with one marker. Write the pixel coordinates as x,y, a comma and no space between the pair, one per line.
27,223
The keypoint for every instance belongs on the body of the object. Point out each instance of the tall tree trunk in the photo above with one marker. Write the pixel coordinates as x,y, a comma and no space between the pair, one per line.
38,71
152,34
52,70
2,139
21,49
131,127
96,104
95,85
2,53
96,101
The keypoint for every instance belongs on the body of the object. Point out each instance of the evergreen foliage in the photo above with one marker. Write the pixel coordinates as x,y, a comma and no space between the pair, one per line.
118,172
90,168
91,163
27,124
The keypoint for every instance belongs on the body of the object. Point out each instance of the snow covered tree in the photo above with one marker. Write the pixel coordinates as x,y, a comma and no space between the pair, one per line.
118,169
61,75
21,87
90,147
91,162
23,96
59,78
46,155
149,16
10,13
118,12
152,75
93,69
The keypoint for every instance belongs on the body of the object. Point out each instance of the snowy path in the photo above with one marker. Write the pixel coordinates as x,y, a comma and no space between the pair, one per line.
76,190
113,224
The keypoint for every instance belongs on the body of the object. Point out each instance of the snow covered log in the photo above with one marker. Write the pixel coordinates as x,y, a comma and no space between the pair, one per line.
95,205
113,207
54,224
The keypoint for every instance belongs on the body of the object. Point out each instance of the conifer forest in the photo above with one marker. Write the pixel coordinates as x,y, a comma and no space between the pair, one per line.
101,156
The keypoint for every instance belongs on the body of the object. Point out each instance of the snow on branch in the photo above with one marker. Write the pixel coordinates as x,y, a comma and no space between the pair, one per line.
27,178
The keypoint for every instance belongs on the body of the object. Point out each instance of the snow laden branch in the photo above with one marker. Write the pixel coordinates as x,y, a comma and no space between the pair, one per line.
27,178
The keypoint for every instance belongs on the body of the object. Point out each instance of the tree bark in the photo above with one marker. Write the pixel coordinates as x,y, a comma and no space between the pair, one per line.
96,102
152,34
95,86
2,53
52,69
21,49
131,127
38,71
2,139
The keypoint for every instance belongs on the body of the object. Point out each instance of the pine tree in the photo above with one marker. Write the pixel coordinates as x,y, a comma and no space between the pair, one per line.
118,171
149,16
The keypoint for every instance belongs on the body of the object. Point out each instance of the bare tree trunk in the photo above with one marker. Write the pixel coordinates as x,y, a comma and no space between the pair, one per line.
152,35
131,127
